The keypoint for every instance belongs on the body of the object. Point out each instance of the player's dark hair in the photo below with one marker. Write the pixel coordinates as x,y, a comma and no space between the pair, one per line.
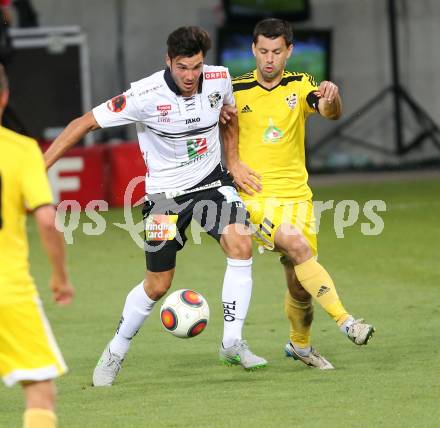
273,28
188,41
3,79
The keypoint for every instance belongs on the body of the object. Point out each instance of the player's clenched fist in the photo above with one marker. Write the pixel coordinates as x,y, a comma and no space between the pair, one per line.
328,90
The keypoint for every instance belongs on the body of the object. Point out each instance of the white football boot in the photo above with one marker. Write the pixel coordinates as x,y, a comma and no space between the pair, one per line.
359,332
313,359
240,354
107,368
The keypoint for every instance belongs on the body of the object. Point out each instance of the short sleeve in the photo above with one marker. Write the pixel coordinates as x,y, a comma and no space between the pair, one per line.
35,184
229,96
309,94
120,110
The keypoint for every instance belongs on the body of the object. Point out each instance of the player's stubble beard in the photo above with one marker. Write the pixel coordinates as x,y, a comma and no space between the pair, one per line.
275,73
187,91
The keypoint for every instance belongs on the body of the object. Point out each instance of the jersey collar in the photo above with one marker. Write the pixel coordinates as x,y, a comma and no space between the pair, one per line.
172,84
283,82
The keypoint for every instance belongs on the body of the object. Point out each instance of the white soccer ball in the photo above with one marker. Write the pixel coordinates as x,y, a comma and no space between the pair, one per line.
184,313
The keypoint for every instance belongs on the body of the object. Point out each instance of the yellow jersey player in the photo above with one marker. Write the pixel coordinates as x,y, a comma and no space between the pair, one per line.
28,352
269,166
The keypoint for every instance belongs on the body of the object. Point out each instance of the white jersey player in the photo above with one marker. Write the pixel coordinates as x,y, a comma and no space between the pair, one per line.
176,112
178,135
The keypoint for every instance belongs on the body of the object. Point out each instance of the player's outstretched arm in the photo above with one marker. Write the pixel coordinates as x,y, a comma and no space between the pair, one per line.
74,132
53,243
330,104
246,178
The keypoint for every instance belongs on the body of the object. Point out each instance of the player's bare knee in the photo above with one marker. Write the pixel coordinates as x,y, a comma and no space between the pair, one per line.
298,249
240,249
157,284
157,290
243,248
237,242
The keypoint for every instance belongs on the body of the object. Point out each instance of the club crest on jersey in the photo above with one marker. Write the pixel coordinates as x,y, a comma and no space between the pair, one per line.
272,134
117,104
214,99
291,101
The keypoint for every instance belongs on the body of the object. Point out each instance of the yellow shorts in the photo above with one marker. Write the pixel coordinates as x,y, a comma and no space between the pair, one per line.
269,214
28,351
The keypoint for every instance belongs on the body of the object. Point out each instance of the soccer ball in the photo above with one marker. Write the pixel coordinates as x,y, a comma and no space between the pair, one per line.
184,313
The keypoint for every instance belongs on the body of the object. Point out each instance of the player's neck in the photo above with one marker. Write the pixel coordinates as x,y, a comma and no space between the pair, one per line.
187,94
269,83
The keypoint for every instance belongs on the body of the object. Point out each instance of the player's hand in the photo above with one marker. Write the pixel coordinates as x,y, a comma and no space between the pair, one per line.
226,112
328,90
62,291
246,178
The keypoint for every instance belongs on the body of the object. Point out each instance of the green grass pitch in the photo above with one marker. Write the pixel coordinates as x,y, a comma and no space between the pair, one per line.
393,280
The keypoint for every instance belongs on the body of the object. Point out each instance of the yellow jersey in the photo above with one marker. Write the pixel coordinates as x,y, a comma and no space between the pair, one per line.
23,185
272,128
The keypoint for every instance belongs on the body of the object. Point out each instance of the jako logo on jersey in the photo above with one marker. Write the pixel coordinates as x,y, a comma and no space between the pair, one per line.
196,147
117,104
211,75
192,120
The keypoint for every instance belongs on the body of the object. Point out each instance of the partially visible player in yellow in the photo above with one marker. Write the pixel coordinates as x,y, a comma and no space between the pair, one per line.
28,352
269,166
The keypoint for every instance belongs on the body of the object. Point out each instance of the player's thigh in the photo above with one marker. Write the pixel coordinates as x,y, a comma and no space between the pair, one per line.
291,219
221,212
28,350
299,218
165,223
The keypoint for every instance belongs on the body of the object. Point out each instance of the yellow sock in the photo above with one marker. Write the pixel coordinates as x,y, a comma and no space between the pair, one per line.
39,418
300,315
316,280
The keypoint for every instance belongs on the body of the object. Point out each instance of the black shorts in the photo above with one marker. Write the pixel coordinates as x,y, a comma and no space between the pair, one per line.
213,203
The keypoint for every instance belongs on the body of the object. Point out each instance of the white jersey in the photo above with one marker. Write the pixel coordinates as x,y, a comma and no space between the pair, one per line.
178,136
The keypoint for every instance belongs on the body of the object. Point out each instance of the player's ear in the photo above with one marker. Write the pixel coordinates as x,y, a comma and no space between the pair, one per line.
254,49
4,98
168,61
290,50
